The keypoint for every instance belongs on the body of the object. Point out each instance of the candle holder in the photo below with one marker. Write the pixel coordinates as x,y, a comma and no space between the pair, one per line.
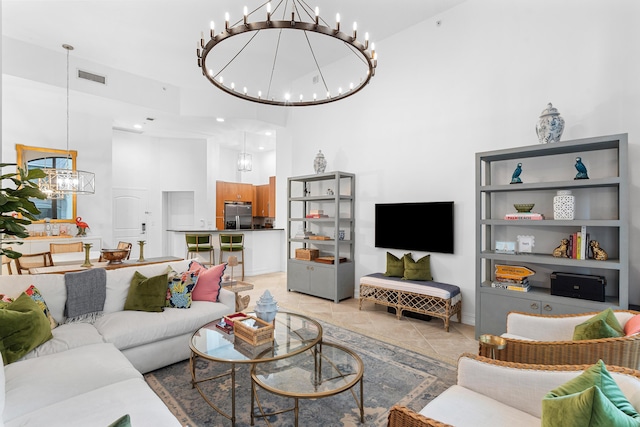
87,259
141,243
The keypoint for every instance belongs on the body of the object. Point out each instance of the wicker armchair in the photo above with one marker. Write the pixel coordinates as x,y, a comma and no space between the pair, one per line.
547,340
401,416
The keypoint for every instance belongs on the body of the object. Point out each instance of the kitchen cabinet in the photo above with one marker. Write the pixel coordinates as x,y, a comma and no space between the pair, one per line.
601,207
264,199
271,205
332,194
231,192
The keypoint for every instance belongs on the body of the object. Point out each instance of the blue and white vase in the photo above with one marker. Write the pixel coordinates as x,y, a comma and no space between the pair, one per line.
550,126
319,163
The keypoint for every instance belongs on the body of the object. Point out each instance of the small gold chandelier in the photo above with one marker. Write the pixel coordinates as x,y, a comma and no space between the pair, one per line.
294,39
58,182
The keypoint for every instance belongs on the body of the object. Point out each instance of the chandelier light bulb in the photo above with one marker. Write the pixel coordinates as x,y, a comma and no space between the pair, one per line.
350,86
355,30
300,97
244,89
211,74
315,96
226,21
328,95
245,12
269,12
221,79
366,41
287,96
339,91
317,15
233,86
212,27
259,94
337,22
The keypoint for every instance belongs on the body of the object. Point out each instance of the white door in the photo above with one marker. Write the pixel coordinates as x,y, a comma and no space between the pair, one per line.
130,218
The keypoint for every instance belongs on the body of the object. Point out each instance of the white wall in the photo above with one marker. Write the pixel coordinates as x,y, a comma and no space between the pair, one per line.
476,82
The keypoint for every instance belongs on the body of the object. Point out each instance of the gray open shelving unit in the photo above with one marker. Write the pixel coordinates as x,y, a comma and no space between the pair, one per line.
602,205
333,192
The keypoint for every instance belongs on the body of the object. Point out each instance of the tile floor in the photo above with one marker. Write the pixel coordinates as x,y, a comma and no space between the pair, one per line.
423,337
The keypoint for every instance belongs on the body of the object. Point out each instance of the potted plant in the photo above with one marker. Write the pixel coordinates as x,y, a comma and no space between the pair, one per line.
16,208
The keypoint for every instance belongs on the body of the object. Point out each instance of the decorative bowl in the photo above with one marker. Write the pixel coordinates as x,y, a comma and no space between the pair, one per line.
524,207
114,256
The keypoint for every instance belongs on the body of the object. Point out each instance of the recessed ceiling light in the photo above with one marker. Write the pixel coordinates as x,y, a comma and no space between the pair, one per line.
137,126
261,148
219,119
267,133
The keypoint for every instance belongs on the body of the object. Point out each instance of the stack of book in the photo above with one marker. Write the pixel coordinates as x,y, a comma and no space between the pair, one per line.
579,244
316,213
512,277
303,234
524,215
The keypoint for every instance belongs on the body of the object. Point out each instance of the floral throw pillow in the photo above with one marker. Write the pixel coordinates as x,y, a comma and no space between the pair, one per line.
35,295
180,288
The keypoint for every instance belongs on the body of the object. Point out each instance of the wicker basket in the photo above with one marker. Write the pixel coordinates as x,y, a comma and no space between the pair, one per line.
255,336
307,254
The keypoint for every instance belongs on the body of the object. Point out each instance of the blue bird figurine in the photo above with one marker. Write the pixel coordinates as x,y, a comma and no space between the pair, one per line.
581,168
515,178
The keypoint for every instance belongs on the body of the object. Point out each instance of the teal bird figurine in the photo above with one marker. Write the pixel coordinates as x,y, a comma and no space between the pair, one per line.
515,178
582,169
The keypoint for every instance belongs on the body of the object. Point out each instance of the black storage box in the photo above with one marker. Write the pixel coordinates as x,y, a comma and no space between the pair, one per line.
583,286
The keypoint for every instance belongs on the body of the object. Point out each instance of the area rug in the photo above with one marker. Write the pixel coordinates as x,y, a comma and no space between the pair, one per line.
392,375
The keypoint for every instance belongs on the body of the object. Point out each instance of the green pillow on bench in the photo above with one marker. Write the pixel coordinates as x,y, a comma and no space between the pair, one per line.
417,270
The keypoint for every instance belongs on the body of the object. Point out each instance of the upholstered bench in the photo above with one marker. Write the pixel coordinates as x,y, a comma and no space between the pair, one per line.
426,297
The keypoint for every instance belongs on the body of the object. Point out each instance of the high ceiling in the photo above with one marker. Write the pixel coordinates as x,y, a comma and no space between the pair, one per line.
158,38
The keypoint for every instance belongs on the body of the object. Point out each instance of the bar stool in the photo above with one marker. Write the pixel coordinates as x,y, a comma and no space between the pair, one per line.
197,243
232,243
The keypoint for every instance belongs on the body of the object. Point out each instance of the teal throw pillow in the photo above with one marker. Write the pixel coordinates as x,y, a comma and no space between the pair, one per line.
591,399
23,327
417,270
602,325
395,265
147,294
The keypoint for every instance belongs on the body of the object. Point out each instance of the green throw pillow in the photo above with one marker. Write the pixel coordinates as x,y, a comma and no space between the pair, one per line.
147,294
123,421
417,270
23,327
395,265
602,325
591,399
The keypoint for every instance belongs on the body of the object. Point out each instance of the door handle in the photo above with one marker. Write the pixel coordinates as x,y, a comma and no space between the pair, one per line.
547,307
534,306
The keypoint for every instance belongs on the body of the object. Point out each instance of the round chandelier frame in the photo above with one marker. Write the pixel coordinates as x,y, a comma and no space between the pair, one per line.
364,51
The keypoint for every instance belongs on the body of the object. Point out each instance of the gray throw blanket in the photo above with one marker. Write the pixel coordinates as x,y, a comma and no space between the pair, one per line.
86,293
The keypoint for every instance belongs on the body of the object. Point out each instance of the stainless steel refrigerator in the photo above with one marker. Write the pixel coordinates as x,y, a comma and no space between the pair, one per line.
237,216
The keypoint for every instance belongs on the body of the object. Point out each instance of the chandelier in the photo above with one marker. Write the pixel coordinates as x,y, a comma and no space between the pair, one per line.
259,65
244,158
60,181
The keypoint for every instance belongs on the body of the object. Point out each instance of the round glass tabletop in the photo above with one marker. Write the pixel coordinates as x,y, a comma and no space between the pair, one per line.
293,333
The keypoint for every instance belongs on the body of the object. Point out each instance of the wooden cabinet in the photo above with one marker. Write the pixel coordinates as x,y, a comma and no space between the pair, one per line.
231,192
601,208
264,201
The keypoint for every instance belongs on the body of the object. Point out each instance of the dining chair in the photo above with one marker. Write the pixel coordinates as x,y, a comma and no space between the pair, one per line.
7,261
27,261
199,243
232,243
125,245
59,248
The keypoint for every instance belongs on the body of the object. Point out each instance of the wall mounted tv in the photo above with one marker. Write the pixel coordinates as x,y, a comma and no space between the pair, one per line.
424,227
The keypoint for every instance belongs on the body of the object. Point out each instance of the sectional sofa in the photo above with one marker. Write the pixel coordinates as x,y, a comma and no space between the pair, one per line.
91,373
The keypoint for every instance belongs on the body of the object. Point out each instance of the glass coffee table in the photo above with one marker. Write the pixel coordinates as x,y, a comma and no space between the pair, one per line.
293,334
325,370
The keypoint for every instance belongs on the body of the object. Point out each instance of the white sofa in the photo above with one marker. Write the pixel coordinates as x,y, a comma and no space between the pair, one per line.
494,393
91,374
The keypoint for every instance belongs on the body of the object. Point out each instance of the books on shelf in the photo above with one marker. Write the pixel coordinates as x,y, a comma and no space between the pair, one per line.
579,244
512,277
316,216
316,211
524,215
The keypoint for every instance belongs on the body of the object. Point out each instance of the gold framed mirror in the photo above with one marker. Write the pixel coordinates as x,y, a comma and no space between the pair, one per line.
58,210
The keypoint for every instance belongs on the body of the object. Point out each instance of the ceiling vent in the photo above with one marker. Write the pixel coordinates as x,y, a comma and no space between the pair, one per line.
92,77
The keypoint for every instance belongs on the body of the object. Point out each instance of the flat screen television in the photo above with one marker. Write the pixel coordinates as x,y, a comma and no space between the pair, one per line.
424,226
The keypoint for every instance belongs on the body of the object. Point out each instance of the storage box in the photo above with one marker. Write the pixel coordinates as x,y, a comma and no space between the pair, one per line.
306,254
583,286
262,333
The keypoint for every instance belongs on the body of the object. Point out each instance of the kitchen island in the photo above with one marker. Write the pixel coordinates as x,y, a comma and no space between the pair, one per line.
264,248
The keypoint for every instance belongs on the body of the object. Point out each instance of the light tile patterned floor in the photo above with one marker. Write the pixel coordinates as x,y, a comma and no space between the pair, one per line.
427,338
